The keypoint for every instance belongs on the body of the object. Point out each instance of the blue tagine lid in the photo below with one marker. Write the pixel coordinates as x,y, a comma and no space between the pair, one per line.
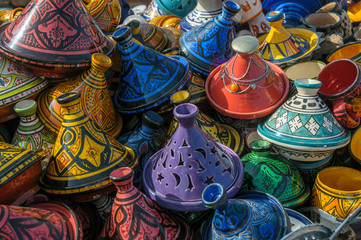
148,78
254,215
304,122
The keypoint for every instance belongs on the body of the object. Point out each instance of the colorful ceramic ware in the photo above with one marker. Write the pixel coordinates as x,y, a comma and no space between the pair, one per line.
54,38
95,98
31,133
209,45
51,221
312,231
246,87
297,220
303,128
275,175
354,12
337,191
325,22
350,51
9,14
180,8
135,216
204,11
259,25
106,13
153,11
254,215
171,21
148,78
83,155
176,175
249,10
16,84
306,69
354,146
286,46
20,170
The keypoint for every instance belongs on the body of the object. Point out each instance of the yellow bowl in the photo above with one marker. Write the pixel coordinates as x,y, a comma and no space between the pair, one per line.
337,190
350,51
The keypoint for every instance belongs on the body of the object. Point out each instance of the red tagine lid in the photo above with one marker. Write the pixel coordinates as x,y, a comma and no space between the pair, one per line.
246,87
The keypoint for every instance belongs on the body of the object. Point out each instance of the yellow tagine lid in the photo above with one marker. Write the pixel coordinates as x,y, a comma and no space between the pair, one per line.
287,46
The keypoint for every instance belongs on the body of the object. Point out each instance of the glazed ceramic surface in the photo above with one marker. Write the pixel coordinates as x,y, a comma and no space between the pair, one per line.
171,21
354,146
303,128
325,22
337,191
16,84
249,10
297,220
106,13
176,175
287,46
255,215
31,133
259,25
95,98
54,38
179,8
209,45
148,78
313,231
306,69
275,175
246,87
20,170
83,155
354,12
135,216
350,51
153,11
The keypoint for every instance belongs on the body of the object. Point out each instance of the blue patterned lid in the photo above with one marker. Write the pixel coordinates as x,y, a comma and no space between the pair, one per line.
305,121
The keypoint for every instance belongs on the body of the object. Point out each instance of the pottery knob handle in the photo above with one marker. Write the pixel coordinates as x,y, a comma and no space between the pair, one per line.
230,9
261,146
215,196
152,120
186,114
68,97
122,34
25,108
245,45
123,178
275,18
101,61
182,96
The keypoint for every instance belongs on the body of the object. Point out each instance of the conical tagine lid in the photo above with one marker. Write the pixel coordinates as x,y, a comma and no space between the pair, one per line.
176,175
58,36
148,78
246,87
83,155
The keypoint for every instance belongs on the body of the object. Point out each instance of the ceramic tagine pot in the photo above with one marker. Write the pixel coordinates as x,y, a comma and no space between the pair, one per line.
106,13
275,175
180,8
50,220
20,170
31,133
255,215
148,78
287,46
246,87
209,45
202,13
16,84
9,14
175,176
135,216
54,39
83,155
303,128
152,11
167,21
95,98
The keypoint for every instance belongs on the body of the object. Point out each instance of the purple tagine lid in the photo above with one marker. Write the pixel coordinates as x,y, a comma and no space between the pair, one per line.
176,175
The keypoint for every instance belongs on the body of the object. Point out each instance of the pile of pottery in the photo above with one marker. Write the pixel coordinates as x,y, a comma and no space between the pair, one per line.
182,119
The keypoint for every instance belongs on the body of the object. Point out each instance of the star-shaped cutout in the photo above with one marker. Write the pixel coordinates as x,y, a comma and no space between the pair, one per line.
209,180
213,150
160,177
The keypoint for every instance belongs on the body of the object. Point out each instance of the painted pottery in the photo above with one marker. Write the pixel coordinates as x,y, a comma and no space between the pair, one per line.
106,13
95,99
173,35
350,51
148,78
341,81
354,12
8,14
142,138
337,191
180,8
354,146
324,22
275,175
297,220
31,133
246,87
135,216
83,155
209,45
343,157
103,206
153,11
303,128
259,25
53,221
220,133
176,175
286,46
306,69
135,17
54,38
255,215
166,21
312,231
204,11
16,84
249,10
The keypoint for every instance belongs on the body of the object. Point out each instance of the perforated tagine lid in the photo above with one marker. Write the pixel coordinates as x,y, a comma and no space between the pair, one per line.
304,122
246,87
286,46
54,38
176,175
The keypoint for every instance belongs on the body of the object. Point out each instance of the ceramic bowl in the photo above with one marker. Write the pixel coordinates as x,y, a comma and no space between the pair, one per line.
354,146
354,12
337,190
297,219
350,51
313,231
306,69
323,21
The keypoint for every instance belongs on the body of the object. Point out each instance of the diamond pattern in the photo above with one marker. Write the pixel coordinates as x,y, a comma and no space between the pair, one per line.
281,120
295,123
312,126
327,124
